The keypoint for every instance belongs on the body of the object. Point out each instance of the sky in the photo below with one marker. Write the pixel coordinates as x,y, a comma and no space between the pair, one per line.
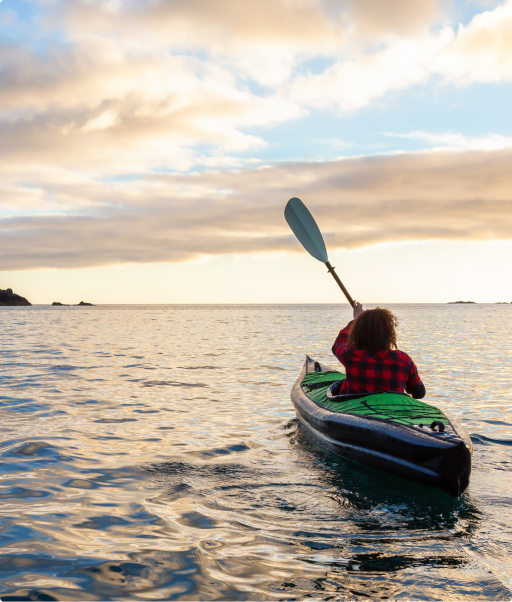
148,149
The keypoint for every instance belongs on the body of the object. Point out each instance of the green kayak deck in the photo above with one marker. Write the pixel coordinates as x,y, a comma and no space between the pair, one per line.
394,407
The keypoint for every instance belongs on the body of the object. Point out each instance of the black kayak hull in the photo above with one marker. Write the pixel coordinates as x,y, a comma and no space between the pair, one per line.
426,457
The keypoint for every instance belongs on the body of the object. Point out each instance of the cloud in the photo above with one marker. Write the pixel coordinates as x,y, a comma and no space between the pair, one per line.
355,83
375,17
102,89
266,41
453,140
197,22
481,51
447,195
225,22
95,112
261,41
122,87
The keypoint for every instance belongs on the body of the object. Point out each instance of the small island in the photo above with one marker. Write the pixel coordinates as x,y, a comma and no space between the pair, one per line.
82,303
461,302
7,297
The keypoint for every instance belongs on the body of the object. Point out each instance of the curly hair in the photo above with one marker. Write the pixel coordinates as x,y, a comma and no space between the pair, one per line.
374,330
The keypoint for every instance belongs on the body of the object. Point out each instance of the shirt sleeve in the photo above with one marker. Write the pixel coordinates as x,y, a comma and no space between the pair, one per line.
414,379
340,344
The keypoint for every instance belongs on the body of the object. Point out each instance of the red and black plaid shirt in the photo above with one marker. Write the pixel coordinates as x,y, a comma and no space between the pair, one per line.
382,371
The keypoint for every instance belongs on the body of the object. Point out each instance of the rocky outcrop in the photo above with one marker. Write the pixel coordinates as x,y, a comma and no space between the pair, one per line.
7,297
82,303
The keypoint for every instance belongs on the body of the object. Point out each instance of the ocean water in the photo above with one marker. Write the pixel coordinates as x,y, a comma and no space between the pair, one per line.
152,453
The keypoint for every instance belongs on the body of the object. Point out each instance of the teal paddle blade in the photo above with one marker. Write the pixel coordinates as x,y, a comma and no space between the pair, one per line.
305,229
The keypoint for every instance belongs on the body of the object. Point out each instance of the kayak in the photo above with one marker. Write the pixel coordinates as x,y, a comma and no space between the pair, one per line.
388,430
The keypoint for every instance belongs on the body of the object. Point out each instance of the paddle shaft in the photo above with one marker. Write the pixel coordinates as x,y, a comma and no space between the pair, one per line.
340,283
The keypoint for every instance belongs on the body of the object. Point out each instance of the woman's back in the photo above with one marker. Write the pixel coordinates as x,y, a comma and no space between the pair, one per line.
364,347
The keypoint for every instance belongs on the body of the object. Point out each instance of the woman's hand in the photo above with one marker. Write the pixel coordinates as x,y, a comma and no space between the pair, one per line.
358,309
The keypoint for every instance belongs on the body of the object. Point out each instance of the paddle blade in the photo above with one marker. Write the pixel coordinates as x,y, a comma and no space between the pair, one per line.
305,229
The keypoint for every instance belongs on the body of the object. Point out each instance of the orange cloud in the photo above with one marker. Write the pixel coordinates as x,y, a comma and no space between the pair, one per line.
442,195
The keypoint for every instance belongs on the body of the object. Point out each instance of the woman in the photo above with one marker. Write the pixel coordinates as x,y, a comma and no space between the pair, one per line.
367,349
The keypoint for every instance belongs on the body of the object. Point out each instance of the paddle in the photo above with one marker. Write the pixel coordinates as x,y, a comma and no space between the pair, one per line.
305,229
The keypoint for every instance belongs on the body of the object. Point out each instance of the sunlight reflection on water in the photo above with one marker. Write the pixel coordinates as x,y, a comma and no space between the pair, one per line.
151,452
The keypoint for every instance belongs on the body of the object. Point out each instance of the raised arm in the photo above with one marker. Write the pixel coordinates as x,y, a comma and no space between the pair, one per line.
341,340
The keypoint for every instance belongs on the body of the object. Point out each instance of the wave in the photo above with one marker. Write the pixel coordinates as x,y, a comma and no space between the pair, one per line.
483,440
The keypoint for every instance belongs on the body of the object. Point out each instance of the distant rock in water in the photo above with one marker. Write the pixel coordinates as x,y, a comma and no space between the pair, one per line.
461,301
59,304
7,297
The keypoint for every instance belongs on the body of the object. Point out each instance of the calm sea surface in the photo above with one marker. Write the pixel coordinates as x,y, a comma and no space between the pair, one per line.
152,453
